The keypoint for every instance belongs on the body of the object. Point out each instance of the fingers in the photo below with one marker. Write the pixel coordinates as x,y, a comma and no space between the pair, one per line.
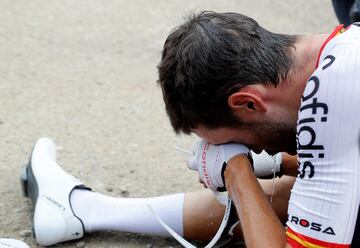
191,163
197,147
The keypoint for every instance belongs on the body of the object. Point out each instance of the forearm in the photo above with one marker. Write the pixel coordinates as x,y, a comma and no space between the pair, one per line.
260,225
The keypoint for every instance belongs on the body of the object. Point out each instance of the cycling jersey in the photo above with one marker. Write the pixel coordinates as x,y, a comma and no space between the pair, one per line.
324,203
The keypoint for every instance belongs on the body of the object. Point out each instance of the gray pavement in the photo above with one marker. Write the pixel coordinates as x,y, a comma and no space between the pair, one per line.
84,73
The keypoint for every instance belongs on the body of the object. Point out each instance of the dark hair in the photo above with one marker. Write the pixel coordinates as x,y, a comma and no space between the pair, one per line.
211,56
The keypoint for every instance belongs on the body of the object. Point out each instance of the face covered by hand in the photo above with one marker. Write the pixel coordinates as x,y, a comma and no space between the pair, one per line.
210,161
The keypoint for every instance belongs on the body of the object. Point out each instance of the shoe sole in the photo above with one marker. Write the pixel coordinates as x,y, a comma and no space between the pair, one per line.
29,186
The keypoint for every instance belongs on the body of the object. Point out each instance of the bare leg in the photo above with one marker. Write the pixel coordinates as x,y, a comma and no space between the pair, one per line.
203,213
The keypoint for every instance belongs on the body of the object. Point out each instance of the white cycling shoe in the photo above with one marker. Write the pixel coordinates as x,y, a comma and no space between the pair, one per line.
12,243
49,188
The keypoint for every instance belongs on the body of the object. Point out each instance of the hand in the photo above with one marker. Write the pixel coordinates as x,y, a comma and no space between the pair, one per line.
265,164
210,161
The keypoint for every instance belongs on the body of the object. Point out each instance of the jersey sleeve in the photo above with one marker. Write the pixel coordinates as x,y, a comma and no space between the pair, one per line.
324,202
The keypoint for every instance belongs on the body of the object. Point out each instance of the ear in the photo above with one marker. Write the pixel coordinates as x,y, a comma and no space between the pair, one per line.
246,101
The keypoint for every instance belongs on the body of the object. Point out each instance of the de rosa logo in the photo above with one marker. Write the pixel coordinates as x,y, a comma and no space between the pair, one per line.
311,225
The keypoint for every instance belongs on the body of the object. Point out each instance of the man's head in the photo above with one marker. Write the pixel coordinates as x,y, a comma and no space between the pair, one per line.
208,64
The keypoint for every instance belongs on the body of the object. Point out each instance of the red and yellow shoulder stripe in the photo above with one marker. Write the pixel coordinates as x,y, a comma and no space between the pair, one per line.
297,240
338,30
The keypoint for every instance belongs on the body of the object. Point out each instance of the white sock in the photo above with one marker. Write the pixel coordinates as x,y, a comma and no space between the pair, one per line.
103,213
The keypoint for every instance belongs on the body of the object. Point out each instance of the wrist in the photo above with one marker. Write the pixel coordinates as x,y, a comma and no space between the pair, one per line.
237,166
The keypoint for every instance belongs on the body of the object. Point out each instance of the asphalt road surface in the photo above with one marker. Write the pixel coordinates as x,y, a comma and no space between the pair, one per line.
84,73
